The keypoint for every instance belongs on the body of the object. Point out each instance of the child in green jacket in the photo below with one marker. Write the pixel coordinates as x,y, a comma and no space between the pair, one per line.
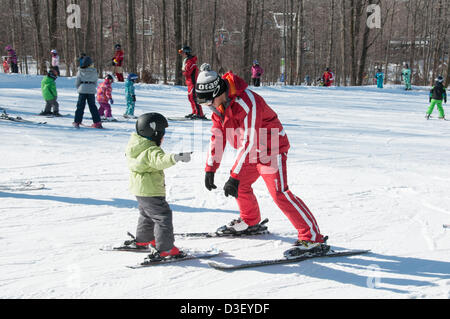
437,95
147,161
48,88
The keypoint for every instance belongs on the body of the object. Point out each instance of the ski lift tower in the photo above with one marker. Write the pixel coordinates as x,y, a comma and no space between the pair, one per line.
282,23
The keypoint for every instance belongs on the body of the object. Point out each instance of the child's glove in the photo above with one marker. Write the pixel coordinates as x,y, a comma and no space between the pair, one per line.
183,157
111,101
134,98
231,187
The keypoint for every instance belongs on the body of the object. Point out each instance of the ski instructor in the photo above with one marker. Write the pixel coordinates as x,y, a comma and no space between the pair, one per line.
243,118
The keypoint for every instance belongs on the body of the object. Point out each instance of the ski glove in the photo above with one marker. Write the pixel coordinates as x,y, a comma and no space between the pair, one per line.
209,181
183,157
231,187
134,98
111,101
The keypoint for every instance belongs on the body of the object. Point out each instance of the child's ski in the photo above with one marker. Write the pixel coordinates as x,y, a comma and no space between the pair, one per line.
187,255
269,262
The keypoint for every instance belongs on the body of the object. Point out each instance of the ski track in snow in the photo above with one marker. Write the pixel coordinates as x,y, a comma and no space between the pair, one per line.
372,170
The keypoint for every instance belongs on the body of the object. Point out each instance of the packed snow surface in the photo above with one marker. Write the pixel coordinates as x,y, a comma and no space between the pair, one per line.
373,171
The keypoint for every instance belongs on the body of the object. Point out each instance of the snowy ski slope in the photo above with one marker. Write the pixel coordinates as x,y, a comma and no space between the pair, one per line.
374,172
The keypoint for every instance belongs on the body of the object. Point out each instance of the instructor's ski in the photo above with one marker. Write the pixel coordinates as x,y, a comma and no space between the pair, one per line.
269,262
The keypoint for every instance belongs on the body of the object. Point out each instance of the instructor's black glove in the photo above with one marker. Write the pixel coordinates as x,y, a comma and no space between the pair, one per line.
209,181
231,187
134,98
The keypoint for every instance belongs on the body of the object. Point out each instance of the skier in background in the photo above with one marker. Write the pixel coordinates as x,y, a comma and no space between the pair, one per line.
243,118
55,61
190,72
328,77
379,76
12,59
130,95
437,95
80,59
104,98
5,65
50,94
117,62
147,162
86,84
257,72
406,77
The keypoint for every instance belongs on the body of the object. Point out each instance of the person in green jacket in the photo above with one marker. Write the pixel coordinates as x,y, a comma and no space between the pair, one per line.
48,88
147,162
437,95
406,76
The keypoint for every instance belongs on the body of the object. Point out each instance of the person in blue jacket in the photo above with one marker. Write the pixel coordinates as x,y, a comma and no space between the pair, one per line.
380,78
130,95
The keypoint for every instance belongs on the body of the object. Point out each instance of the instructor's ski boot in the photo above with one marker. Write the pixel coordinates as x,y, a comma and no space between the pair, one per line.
238,227
307,248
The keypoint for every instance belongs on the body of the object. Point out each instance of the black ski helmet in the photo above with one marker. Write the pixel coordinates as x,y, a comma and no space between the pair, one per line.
152,126
86,62
186,49
440,79
109,77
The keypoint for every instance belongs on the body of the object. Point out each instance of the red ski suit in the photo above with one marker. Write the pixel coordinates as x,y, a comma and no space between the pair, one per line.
190,72
253,128
118,65
328,78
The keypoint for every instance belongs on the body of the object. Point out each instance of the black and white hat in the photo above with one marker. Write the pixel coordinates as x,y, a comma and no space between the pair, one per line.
209,85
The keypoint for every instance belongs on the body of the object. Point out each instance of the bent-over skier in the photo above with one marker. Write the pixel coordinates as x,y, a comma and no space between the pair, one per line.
244,120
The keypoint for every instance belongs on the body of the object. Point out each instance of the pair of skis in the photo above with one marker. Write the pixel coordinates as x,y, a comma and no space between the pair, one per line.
5,117
22,186
189,254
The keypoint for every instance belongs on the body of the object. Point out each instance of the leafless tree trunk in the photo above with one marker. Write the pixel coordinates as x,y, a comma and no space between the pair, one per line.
246,57
343,75
164,42
87,46
53,24
300,33
178,41
330,33
22,38
131,35
101,60
42,68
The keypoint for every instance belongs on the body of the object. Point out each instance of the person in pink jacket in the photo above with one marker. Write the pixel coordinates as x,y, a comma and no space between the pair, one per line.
257,72
104,98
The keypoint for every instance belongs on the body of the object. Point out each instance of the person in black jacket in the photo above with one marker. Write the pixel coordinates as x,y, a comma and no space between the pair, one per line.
437,95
